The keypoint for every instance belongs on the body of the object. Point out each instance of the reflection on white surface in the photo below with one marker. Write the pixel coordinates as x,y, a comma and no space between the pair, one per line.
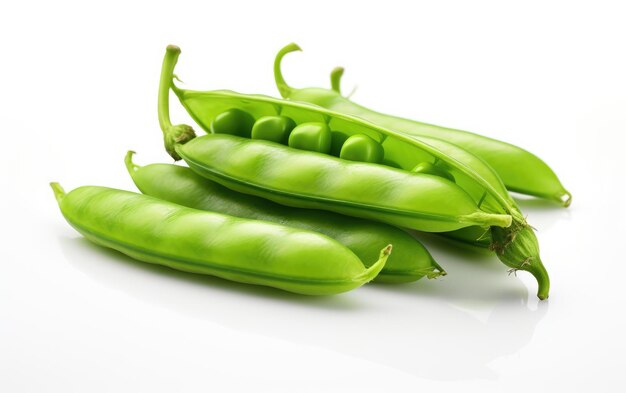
448,329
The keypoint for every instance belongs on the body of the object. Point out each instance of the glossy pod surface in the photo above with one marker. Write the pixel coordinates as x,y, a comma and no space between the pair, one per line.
520,170
317,181
399,151
409,261
248,251
471,174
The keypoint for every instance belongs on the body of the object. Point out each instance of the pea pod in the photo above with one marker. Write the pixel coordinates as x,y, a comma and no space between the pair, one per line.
313,180
248,251
520,170
409,261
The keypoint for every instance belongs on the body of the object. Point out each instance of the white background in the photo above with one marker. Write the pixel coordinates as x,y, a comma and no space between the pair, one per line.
79,83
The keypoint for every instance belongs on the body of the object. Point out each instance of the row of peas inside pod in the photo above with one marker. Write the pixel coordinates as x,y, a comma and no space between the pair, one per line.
311,136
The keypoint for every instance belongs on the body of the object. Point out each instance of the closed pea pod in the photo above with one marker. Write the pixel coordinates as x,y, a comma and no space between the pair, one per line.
409,261
248,251
312,180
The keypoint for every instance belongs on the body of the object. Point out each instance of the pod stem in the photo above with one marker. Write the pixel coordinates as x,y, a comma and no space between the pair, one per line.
335,79
172,134
283,88
130,165
375,269
167,73
59,192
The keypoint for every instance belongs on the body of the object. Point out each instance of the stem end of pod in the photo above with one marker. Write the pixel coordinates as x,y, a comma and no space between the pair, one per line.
518,248
177,135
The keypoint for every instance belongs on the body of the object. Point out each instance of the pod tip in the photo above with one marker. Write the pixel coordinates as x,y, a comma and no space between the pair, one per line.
565,198
59,193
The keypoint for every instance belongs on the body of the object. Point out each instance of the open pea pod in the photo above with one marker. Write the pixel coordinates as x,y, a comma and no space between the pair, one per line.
401,153
520,170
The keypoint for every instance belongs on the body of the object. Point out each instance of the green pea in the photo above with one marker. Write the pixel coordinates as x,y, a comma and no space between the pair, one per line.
248,251
409,261
234,121
360,147
273,128
432,169
312,136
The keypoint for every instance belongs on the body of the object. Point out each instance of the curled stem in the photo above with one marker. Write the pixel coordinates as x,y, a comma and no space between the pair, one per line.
373,270
283,88
335,79
172,134
128,161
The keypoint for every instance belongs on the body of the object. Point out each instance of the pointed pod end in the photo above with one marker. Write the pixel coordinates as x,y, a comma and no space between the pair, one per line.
387,250
59,192
518,248
565,198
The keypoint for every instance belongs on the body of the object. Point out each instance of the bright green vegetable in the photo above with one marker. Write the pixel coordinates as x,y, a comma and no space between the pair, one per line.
520,170
233,121
314,136
312,180
273,128
248,251
409,261
361,147
316,181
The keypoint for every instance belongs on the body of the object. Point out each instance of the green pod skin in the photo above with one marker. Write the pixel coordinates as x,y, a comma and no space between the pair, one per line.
472,174
273,128
314,136
431,169
233,121
520,170
248,251
409,261
312,180
362,148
